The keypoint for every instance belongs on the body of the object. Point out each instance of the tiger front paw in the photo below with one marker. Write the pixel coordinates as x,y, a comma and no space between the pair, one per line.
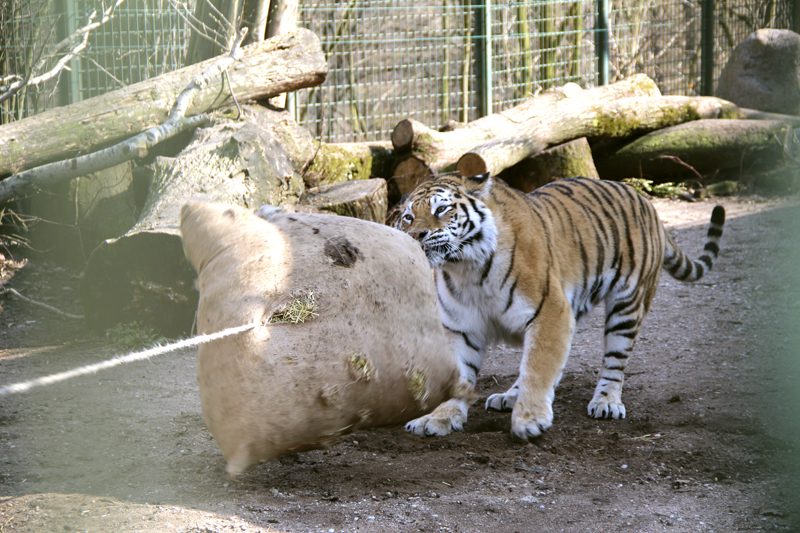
433,426
448,417
526,426
501,402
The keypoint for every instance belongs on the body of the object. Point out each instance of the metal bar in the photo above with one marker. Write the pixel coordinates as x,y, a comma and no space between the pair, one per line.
70,90
486,59
796,16
707,48
601,42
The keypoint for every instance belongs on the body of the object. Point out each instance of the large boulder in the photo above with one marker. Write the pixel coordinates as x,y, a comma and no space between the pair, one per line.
763,72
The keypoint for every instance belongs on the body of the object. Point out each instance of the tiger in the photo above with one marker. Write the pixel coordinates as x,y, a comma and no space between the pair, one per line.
524,268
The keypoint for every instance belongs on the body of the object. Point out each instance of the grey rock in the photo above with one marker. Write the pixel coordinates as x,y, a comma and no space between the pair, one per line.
763,72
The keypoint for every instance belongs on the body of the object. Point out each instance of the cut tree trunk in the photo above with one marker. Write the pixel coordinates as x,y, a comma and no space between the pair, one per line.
364,199
143,276
440,150
286,63
215,26
216,21
282,19
697,148
566,160
409,172
570,119
337,162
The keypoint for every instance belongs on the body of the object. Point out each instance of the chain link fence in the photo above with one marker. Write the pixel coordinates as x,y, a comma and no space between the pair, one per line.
388,60
144,38
438,61
452,60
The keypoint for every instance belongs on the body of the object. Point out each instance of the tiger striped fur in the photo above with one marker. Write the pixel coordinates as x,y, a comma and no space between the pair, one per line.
524,268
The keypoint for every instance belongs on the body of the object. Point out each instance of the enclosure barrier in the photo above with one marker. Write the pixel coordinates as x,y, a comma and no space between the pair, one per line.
437,61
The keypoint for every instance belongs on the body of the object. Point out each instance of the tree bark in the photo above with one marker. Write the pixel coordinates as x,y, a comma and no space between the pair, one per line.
440,150
570,119
282,18
286,63
213,29
566,160
256,13
142,276
697,148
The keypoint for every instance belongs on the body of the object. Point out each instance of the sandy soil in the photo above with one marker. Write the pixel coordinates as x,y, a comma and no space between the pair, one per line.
708,443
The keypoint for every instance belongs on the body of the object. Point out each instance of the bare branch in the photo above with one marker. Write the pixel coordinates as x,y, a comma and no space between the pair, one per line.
137,146
81,35
14,292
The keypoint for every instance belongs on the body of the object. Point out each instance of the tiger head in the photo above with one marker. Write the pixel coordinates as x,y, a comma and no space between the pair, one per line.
450,220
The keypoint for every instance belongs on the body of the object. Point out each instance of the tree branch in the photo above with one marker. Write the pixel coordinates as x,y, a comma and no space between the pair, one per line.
81,35
35,178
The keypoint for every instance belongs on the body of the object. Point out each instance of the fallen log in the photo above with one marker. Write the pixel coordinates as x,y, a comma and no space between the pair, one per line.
285,63
412,135
697,148
755,114
569,119
409,172
142,275
430,151
364,199
570,159
45,177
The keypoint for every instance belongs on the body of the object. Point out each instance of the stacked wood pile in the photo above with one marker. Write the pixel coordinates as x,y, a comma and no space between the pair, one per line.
243,153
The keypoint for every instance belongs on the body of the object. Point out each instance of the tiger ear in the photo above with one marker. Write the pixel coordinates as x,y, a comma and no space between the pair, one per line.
479,184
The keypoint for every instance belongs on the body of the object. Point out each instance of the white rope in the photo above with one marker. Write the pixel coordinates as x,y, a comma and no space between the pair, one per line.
25,386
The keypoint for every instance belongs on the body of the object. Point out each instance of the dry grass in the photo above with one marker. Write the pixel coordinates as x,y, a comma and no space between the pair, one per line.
297,311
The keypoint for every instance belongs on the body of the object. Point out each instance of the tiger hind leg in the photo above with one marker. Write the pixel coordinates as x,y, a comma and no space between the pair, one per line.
623,318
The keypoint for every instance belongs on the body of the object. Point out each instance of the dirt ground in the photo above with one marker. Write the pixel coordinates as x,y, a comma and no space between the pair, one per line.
710,442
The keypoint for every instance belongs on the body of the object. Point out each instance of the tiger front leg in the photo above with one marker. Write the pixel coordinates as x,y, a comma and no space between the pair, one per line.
451,415
545,350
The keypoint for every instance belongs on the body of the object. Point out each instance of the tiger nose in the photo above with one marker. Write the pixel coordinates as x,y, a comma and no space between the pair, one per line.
419,235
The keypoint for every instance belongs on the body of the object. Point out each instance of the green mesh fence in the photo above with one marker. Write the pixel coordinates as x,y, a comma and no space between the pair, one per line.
438,61
144,39
390,60
660,38
537,45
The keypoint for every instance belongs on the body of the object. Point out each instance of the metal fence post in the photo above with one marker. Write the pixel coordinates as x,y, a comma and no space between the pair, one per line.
69,85
707,48
601,42
796,16
485,71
